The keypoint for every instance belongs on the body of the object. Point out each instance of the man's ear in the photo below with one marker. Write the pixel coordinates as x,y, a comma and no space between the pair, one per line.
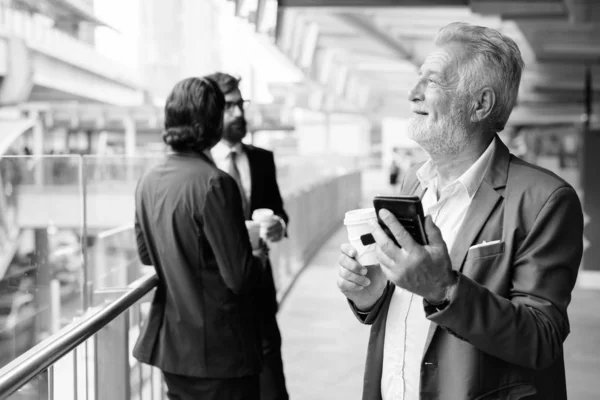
484,103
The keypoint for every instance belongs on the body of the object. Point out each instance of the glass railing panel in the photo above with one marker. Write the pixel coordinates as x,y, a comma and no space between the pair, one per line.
94,361
37,388
113,261
145,382
41,255
73,376
110,183
296,173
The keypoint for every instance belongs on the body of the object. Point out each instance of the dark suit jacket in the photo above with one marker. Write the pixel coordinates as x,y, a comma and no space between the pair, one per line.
190,225
501,336
264,193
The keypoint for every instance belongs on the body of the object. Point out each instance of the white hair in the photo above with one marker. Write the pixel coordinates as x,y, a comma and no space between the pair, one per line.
493,60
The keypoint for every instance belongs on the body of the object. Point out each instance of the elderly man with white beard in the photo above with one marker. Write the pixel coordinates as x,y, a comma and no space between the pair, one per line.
480,312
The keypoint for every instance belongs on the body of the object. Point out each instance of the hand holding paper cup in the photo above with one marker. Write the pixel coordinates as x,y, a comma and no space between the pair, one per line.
363,290
357,224
264,216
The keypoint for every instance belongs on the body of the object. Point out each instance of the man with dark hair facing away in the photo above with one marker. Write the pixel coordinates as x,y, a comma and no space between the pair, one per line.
203,329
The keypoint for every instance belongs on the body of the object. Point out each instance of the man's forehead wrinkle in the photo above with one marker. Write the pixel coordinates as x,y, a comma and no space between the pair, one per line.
436,63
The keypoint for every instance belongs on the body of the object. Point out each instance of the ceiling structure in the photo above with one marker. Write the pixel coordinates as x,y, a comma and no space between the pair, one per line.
367,52
61,10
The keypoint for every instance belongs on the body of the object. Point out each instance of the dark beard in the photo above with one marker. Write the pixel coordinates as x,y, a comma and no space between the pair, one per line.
235,130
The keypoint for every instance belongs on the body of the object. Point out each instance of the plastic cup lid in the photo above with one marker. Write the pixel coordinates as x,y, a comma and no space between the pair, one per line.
359,215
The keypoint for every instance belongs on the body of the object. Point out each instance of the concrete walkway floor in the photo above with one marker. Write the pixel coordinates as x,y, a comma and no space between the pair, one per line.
324,346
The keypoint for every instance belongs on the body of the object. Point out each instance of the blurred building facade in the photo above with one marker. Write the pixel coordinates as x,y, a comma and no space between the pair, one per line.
178,38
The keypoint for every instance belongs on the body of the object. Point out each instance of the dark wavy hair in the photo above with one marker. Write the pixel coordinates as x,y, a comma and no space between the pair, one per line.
226,82
194,115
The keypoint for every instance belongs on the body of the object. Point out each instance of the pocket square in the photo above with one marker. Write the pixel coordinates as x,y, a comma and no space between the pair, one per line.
484,244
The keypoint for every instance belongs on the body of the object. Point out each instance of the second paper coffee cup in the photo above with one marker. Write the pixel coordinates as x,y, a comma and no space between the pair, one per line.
357,223
253,228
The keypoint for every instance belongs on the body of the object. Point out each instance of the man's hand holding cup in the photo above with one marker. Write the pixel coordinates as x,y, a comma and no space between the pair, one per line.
259,247
271,226
360,277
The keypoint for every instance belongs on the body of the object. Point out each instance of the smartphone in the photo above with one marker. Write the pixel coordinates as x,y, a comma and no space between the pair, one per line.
409,212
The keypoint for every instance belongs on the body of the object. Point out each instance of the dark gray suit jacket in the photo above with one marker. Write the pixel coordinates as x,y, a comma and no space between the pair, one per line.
203,321
501,336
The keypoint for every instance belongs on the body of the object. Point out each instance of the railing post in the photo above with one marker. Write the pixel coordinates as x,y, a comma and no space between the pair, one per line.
130,146
112,360
43,277
55,306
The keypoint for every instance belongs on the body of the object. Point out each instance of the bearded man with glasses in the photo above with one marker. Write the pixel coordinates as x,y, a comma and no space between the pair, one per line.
254,170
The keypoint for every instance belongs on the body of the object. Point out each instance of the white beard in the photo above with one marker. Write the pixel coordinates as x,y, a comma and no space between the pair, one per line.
447,136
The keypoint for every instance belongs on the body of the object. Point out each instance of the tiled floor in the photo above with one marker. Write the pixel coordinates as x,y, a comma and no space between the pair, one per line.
324,347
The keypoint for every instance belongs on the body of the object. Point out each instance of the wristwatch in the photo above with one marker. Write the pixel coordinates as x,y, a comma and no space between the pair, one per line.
438,306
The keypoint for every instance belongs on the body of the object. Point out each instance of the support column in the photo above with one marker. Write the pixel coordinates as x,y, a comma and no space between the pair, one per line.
260,15
130,146
328,133
130,136
591,201
43,278
98,264
38,147
590,165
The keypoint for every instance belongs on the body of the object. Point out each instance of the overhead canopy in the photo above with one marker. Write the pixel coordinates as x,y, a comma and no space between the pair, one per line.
374,47
74,10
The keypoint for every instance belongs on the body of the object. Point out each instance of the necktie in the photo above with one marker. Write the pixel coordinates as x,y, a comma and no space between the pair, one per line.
235,174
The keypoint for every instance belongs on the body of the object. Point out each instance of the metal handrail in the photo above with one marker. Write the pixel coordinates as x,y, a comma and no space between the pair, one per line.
57,346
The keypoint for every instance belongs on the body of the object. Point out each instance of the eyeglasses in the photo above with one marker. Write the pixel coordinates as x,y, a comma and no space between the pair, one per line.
242,105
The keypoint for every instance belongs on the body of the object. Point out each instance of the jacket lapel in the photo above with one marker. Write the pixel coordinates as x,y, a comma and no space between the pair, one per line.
374,362
485,200
481,207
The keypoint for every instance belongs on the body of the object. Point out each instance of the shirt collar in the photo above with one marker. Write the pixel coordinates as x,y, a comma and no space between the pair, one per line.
209,155
426,174
471,179
191,153
222,150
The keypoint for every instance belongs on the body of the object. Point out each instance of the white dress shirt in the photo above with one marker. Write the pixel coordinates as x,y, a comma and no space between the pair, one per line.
406,326
220,154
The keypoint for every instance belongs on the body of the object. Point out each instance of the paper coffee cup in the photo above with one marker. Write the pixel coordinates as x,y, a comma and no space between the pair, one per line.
357,223
262,214
253,228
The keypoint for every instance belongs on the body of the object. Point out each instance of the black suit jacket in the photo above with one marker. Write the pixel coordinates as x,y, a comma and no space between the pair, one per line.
501,337
264,190
264,193
189,223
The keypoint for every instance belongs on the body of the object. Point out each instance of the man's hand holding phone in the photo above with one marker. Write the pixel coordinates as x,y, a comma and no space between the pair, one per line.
423,270
361,285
